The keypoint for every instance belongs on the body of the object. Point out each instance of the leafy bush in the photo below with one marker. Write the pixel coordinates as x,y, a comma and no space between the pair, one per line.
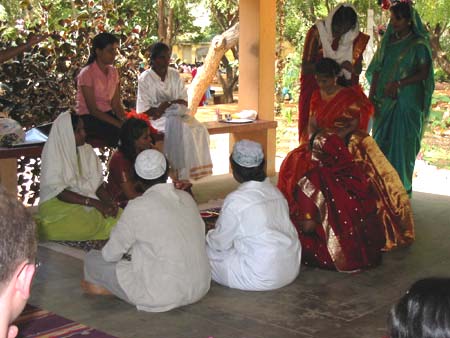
440,75
41,83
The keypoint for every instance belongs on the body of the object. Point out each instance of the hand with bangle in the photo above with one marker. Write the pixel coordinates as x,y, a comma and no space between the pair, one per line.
391,89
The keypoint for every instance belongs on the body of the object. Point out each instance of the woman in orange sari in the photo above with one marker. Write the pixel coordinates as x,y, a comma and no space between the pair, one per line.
332,184
336,37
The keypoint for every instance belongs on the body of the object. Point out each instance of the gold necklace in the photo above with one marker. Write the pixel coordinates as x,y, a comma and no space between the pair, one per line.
399,38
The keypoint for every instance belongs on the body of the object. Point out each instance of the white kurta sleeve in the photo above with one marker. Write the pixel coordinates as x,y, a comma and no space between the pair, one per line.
227,227
120,241
145,96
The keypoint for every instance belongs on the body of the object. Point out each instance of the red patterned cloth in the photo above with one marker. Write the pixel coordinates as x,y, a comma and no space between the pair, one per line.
338,193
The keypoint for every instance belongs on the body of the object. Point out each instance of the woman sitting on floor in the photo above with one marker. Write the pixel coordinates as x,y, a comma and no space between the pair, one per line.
134,138
74,205
332,235
122,183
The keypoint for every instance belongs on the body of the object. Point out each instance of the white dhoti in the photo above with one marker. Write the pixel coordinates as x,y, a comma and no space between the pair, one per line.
186,143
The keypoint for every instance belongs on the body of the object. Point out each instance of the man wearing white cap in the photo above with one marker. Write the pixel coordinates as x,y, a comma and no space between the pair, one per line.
254,245
163,232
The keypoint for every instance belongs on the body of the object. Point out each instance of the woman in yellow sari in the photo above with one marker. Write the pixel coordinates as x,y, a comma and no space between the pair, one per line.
74,204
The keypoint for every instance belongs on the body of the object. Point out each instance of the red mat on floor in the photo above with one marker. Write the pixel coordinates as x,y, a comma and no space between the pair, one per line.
38,323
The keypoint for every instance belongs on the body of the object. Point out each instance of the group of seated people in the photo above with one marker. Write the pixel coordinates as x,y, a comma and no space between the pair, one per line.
158,224
423,311
338,196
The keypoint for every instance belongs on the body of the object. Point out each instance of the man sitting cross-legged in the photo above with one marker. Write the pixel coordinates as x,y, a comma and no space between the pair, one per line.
255,245
18,247
163,232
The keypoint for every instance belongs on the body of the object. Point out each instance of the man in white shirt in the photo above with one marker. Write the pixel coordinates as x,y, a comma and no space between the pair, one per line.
162,95
163,232
254,245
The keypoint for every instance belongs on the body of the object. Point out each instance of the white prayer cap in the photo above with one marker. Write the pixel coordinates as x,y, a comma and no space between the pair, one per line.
248,154
150,164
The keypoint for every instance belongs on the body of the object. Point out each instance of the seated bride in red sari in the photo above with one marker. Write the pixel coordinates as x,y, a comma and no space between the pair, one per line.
345,199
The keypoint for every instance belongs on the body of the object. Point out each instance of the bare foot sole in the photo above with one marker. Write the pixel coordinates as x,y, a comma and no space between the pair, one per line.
94,289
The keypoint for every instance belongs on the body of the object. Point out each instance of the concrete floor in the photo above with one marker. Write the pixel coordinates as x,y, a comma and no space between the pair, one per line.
319,303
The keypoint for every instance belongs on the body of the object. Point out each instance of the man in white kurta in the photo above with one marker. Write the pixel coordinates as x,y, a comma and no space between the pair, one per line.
163,232
163,96
254,245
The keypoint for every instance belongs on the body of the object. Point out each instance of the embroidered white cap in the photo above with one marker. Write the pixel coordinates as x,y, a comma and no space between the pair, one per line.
150,164
248,154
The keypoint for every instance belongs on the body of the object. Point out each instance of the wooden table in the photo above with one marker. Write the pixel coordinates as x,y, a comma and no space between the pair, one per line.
9,156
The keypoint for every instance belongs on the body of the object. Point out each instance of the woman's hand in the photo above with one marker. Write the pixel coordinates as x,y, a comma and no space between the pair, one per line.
391,89
106,209
347,65
182,185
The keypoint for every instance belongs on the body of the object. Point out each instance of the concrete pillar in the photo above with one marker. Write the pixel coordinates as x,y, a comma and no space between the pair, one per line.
257,20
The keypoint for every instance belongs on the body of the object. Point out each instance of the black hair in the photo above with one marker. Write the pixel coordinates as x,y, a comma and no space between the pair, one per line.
249,174
401,10
327,67
423,312
156,49
75,119
130,131
162,179
101,41
345,15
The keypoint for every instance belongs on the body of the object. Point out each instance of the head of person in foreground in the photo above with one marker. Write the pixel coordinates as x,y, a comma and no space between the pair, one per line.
423,312
18,246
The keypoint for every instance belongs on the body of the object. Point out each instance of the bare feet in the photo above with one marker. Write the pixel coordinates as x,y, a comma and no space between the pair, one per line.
94,289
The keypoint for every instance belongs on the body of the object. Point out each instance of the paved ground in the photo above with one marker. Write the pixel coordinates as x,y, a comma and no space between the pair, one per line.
319,303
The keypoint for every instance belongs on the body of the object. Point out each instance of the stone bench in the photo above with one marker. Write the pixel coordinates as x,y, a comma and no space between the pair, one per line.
9,156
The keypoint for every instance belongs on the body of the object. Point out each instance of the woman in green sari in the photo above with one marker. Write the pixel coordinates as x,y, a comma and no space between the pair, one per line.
402,83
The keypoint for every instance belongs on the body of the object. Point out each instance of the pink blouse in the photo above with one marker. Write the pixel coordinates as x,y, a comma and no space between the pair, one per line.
104,86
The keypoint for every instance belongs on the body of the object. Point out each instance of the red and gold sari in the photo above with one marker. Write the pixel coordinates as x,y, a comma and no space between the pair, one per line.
312,53
304,177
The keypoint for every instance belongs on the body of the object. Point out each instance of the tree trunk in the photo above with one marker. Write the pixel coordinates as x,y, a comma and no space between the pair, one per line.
438,54
162,31
170,27
219,45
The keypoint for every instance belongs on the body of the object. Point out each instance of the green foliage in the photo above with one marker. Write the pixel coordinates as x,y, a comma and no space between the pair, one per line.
41,83
440,75
291,74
